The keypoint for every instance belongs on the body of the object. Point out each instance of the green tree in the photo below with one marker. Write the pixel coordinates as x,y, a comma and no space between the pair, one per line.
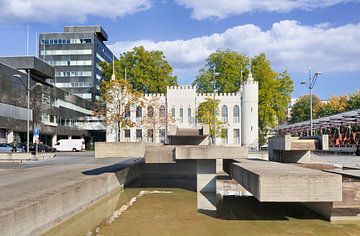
334,105
354,100
205,115
301,109
229,65
275,91
147,71
274,88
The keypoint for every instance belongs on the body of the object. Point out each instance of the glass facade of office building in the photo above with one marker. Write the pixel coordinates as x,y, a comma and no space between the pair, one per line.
75,54
56,113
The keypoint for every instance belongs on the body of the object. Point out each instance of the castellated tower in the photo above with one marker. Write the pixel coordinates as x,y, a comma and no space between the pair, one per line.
249,113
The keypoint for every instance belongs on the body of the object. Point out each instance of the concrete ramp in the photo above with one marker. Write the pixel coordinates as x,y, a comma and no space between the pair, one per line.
278,182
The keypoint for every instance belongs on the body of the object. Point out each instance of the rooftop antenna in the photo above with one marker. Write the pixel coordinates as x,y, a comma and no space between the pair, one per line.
36,45
27,40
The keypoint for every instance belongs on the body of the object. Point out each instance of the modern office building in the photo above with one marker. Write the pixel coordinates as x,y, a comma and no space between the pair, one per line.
75,54
56,113
238,113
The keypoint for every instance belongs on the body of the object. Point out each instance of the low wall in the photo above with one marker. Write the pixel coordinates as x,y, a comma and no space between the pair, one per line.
36,217
121,149
210,152
16,157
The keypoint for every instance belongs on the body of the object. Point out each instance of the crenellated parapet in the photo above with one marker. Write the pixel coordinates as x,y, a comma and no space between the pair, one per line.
181,87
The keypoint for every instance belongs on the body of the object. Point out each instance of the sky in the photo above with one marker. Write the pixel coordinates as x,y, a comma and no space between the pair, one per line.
323,35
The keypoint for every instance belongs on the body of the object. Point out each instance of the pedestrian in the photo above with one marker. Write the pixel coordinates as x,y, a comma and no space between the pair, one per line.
13,147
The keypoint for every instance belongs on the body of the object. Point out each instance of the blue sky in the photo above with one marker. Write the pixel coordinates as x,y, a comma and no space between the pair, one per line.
323,34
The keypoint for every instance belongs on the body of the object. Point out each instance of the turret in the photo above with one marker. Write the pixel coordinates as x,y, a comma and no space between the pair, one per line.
249,113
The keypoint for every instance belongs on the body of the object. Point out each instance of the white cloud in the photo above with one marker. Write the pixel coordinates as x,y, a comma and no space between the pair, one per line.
288,44
202,9
67,10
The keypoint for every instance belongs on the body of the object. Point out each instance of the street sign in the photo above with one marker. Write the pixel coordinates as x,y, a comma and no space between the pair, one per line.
36,133
36,136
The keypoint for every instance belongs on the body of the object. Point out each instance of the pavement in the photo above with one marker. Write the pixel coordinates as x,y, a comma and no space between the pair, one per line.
21,183
339,160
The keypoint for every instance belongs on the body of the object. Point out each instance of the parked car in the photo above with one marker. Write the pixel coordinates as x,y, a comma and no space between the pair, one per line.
20,148
74,145
45,148
4,147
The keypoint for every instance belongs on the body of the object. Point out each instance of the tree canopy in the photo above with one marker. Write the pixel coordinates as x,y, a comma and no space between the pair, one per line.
232,68
335,104
115,104
147,71
274,88
301,109
205,115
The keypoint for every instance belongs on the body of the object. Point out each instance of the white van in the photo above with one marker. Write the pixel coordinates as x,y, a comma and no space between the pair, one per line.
74,145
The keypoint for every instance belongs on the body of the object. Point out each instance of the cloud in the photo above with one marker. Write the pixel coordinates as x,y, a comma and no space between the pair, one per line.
288,45
202,9
67,10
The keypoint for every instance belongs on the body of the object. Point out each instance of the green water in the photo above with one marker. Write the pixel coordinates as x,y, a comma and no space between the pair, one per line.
173,212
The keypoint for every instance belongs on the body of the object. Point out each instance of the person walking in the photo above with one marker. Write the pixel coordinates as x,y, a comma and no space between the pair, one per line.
13,147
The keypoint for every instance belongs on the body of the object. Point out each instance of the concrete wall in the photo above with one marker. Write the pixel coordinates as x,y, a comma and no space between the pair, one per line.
121,149
160,154
181,174
34,218
276,182
210,152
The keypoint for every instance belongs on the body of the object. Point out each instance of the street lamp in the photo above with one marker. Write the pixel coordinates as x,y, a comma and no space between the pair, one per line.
28,89
310,85
214,91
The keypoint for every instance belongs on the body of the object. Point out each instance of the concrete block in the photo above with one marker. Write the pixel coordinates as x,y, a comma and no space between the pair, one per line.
210,152
277,182
159,154
206,185
121,149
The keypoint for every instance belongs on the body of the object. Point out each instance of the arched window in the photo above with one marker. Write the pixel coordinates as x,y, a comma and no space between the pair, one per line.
150,111
189,116
138,112
224,114
236,114
127,111
162,111
173,112
181,115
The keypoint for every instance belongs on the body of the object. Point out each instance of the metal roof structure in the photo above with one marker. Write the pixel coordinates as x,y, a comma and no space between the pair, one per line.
341,119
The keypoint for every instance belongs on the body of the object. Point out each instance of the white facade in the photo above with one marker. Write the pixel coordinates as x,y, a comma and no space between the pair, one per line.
238,112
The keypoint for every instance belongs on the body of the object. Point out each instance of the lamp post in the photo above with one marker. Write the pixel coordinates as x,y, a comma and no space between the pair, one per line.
28,89
310,85
214,91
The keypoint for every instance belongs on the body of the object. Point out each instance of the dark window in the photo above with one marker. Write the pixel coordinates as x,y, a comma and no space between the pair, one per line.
236,114
150,111
224,114
173,112
139,133
162,111
127,133
181,115
138,112
127,111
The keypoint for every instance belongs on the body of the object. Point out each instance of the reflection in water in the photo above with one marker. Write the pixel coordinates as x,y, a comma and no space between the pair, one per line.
174,213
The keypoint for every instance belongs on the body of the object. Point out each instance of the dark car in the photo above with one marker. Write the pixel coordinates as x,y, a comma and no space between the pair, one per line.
45,148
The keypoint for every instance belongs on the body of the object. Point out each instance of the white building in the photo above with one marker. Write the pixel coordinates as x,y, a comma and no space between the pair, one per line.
238,111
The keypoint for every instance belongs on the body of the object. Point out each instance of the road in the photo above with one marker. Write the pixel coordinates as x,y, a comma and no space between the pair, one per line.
21,183
63,158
